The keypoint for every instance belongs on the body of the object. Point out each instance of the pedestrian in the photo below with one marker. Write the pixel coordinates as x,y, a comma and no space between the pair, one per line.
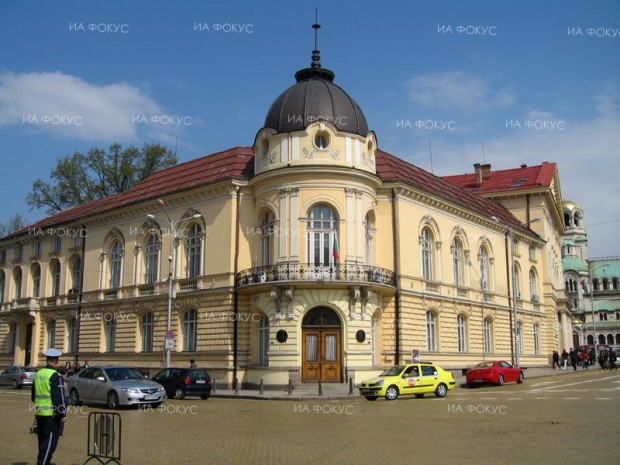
602,359
612,359
86,365
48,395
556,360
592,357
573,359
192,363
584,360
564,358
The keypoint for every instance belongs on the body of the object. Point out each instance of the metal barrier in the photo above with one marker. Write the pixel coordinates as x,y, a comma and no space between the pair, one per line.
104,438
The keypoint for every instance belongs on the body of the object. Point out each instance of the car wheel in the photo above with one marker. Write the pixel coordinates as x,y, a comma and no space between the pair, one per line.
74,397
521,377
371,397
179,393
205,396
441,390
14,384
391,393
500,380
113,402
419,396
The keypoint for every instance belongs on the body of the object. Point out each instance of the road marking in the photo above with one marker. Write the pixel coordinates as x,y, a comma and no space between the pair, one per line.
574,384
541,398
488,398
513,398
572,398
602,398
543,384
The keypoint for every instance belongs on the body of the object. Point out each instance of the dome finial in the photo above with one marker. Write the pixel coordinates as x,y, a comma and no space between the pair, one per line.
316,55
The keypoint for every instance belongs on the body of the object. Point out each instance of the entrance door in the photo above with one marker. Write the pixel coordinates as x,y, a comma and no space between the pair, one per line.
321,347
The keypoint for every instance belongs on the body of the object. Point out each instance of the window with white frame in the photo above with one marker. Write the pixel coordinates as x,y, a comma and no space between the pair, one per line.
17,278
267,238
488,335
427,254
519,338
517,280
189,328
76,275
116,262
56,278
51,333
72,335
323,247
2,286
36,280
12,338
368,239
57,244
483,268
536,334
263,341
457,262
461,333
151,259
533,287
36,249
19,252
431,332
193,250
147,332
110,334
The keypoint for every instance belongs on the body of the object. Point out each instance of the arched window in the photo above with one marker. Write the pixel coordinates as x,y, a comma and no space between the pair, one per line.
146,329
267,238
193,250
36,280
323,247
76,275
517,280
483,268
610,339
56,278
427,254
601,339
368,239
457,261
190,327
116,262
590,339
614,283
605,284
51,334
151,259
533,287
536,334
17,278
431,332
461,332
263,341
488,336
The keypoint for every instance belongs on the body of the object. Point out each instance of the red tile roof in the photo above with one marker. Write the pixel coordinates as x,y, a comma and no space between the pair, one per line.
391,168
526,177
237,163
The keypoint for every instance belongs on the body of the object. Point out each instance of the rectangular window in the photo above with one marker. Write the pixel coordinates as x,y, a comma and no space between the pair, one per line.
311,348
11,338
147,332
72,335
19,252
51,333
487,337
36,249
2,256
57,244
536,339
110,335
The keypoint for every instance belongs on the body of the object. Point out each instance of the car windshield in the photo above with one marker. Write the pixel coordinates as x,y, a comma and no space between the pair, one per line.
29,369
484,365
119,374
394,371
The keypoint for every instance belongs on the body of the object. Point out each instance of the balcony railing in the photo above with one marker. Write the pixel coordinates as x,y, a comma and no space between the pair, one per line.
305,272
188,284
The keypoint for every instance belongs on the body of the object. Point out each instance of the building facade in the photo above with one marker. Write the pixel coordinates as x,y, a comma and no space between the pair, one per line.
312,255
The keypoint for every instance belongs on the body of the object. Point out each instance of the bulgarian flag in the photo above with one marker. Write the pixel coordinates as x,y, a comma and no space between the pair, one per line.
335,250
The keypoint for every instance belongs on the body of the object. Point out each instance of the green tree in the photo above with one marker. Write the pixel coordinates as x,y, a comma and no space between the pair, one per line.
15,223
80,178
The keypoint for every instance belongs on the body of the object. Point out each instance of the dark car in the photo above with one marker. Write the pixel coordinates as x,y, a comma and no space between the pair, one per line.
17,377
181,382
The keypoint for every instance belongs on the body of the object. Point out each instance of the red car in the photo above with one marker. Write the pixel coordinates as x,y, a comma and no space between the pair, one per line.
497,372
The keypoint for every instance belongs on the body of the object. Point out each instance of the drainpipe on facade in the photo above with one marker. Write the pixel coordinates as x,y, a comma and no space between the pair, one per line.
79,309
235,291
396,240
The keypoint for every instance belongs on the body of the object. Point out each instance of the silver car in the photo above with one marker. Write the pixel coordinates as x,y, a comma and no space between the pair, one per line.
17,377
114,386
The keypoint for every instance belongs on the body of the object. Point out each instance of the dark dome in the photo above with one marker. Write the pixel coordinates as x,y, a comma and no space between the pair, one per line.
315,98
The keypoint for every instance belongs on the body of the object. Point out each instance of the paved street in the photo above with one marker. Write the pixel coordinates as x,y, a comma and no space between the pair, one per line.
566,418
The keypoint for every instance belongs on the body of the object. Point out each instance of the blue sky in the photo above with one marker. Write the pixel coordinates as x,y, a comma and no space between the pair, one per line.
536,81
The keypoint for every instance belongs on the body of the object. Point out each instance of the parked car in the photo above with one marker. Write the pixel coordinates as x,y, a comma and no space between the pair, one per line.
114,386
494,372
17,376
181,382
414,379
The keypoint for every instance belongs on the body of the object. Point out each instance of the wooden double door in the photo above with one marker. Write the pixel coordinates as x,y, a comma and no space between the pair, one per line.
321,349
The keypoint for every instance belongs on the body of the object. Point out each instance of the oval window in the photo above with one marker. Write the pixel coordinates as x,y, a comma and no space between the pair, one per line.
321,140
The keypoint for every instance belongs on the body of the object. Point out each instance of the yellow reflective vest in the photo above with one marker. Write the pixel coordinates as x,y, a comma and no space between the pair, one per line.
43,393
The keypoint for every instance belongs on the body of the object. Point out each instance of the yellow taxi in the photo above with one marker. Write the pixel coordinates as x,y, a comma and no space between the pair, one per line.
414,379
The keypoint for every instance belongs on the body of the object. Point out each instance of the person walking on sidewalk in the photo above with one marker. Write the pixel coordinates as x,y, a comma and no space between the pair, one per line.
584,360
48,395
556,360
564,359
612,359
573,358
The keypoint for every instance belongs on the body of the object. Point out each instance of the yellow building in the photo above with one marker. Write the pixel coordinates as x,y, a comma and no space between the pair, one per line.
311,255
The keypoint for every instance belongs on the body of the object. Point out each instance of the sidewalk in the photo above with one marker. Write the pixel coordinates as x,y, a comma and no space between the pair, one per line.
339,391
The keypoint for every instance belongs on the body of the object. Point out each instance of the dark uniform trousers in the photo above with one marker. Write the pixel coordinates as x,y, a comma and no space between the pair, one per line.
49,430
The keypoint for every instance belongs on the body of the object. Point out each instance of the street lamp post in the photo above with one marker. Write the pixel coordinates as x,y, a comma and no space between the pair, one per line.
172,233
511,268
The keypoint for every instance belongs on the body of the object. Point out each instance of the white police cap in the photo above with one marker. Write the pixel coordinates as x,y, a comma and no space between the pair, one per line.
54,353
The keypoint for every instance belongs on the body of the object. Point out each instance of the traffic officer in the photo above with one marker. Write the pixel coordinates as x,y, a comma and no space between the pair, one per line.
48,395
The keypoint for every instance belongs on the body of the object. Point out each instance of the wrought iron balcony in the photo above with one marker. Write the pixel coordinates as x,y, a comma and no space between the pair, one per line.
306,272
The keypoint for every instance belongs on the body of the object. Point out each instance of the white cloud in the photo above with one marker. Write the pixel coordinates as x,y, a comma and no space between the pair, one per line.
457,91
68,107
